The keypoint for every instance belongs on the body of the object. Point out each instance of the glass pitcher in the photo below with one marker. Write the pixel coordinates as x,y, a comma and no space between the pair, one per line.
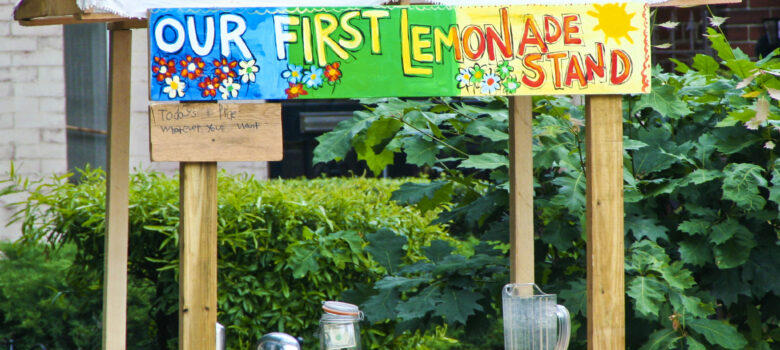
533,320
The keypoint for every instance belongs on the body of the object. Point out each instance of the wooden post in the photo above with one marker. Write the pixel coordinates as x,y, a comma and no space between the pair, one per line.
116,238
605,251
197,255
521,194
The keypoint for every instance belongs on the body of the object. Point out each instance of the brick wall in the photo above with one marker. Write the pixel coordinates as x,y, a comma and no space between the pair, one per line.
32,102
743,28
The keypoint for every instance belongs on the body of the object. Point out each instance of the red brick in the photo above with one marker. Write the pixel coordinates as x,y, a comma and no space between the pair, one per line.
737,33
745,17
756,33
763,3
748,48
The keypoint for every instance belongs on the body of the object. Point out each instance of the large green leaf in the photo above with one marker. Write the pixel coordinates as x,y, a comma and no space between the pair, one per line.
691,305
730,140
485,161
420,150
741,184
646,227
387,248
735,251
419,305
762,271
303,259
381,306
399,283
426,196
487,129
677,276
664,100
457,305
335,144
381,131
705,64
438,250
725,230
651,159
376,162
571,191
718,332
694,252
661,339
694,344
575,297
695,226
700,176
648,295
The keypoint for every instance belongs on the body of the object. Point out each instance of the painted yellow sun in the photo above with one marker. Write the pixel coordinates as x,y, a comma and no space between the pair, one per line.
614,21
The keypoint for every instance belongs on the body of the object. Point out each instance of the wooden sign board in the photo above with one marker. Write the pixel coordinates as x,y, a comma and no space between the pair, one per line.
215,132
398,51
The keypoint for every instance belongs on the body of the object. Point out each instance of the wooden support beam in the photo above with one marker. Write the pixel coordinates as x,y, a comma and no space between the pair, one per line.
521,197
197,255
605,251
117,226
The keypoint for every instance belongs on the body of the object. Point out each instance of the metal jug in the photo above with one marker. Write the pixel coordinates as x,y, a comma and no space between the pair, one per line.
220,336
533,320
278,341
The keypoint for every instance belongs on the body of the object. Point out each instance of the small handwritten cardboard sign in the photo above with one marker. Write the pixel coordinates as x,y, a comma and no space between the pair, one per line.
215,132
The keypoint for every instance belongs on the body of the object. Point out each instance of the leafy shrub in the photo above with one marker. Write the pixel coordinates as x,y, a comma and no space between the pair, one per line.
702,189
284,247
40,305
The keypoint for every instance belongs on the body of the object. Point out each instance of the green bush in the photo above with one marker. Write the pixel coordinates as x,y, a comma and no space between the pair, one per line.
39,303
284,247
702,196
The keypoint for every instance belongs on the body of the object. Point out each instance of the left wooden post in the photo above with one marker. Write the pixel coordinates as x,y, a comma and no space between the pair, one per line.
117,225
197,255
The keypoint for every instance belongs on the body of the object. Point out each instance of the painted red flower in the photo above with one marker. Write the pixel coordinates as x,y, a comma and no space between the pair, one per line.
224,68
192,68
210,86
295,90
332,72
163,68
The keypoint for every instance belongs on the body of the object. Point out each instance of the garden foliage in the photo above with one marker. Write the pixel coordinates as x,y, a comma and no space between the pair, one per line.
284,247
702,188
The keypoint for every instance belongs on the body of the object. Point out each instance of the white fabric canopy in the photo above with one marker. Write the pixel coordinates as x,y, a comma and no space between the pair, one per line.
138,8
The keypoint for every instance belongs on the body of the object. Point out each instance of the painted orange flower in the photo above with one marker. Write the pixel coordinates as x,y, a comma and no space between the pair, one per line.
163,68
192,68
332,72
209,86
295,90
224,68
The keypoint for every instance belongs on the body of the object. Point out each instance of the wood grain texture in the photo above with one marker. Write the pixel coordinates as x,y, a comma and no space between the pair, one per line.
197,256
212,132
605,251
117,226
521,194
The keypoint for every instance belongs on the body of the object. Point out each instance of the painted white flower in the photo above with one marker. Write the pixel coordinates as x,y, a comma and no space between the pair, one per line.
247,70
490,83
229,89
175,87
464,77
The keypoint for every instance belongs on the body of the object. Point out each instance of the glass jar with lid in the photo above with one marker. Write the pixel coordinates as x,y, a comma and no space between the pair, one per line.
340,326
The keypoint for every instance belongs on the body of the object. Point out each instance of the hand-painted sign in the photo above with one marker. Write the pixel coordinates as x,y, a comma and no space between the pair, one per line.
403,51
